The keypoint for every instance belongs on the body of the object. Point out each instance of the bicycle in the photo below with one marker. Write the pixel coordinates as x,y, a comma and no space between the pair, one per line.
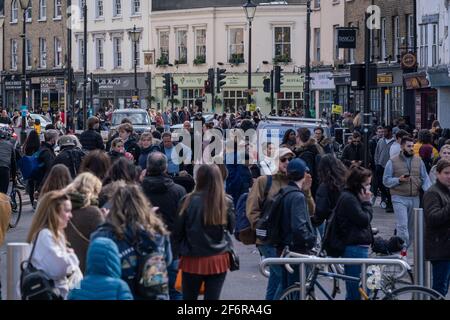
382,287
16,205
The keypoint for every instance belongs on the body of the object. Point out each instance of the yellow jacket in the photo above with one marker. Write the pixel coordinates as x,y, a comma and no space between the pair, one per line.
417,146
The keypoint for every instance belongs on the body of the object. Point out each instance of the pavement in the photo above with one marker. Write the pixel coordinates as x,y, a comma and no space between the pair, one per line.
246,284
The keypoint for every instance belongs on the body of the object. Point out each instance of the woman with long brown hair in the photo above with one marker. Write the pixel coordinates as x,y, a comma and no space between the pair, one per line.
58,178
206,217
133,225
51,253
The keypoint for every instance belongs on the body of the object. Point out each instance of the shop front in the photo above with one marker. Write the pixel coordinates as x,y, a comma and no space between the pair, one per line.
440,80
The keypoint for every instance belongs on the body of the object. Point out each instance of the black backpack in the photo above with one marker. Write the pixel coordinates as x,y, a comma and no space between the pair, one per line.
34,283
332,241
268,229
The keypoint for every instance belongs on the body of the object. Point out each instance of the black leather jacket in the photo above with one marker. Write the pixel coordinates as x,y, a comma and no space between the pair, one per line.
197,240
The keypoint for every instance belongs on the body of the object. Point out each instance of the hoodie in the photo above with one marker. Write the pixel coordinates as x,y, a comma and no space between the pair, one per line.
102,280
165,194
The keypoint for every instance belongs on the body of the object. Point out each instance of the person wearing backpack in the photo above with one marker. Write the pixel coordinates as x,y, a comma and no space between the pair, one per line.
260,195
7,160
143,242
70,155
29,149
46,156
310,152
202,233
50,252
102,279
295,228
352,217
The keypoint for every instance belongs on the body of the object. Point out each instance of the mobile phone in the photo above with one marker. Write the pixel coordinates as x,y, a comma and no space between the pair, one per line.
406,175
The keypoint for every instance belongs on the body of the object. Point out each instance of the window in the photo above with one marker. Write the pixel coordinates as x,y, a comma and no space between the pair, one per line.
58,52
351,52
435,44
117,8
181,46
117,43
42,9
383,40
233,100
82,4
200,44
423,45
410,30
136,7
236,47
28,48
290,100
80,53
316,4
282,44
164,44
42,53
138,58
29,12
13,54
335,42
99,53
396,33
317,44
14,10
58,9
188,96
99,8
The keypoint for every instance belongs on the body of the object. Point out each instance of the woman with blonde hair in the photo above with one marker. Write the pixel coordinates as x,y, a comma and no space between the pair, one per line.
83,193
50,252
133,225
58,178
206,217
443,154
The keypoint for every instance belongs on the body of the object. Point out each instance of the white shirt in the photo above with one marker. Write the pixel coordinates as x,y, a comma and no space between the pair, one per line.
52,257
268,167
395,150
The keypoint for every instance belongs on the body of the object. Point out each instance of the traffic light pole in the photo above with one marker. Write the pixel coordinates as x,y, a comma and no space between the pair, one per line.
171,91
366,92
307,92
249,96
85,68
213,96
69,106
92,91
23,132
272,102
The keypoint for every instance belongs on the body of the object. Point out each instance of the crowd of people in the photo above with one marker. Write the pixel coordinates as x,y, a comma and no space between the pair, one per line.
123,219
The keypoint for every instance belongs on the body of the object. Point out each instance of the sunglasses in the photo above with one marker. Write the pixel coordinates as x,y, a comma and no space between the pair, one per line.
286,159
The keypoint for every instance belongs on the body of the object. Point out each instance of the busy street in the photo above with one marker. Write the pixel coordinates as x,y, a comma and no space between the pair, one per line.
219,150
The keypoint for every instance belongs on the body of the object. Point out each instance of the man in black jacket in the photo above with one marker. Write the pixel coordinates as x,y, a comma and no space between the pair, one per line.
164,194
70,155
296,229
353,153
91,139
46,156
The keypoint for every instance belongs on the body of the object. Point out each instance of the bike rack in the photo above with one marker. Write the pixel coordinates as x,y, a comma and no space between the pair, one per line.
364,262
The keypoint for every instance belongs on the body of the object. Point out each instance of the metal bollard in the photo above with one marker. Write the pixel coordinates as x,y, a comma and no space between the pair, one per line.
16,253
419,257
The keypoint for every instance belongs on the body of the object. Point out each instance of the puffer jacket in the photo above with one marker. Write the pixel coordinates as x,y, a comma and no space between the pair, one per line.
102,280
353,218
197,240
144,155
132,147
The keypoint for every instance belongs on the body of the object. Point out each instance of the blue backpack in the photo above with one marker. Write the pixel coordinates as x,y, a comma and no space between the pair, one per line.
29,165
243,231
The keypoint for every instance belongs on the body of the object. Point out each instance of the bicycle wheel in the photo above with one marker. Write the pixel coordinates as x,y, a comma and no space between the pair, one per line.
414,293
293,293
394,271
16,206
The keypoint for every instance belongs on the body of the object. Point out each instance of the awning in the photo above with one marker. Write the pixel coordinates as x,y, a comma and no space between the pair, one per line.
416,80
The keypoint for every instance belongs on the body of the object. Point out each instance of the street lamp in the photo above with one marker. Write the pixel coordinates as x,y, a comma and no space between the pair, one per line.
24,4
250,10
135,35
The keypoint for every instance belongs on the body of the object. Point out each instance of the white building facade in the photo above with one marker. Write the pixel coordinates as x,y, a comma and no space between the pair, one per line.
110,50
433,44
196,39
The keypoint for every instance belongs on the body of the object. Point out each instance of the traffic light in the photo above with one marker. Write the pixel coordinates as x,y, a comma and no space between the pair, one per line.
278,78
266,83
166,82
220,77
207,86
175,89
211,76
96,87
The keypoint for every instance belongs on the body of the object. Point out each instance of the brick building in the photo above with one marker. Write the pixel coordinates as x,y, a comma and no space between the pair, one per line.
395,38
46,44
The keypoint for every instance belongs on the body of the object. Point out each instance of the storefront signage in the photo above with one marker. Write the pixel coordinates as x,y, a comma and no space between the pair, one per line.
322,81
148,58
346,38
337,109
409,61
387,78
416,81
16,85
108,83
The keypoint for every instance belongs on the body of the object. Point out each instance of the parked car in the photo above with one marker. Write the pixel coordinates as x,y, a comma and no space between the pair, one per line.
139,118
208,117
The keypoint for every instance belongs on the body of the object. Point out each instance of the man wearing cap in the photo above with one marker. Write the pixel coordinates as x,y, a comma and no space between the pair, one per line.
296,229
254,210
70,155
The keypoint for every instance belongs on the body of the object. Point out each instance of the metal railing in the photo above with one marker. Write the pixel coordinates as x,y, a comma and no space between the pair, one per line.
422,268
16,253
364,262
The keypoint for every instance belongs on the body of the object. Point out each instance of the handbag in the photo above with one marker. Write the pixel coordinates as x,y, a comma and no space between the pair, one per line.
234,258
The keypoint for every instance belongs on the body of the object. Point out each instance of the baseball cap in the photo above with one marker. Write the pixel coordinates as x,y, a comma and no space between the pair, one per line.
65,141
297,168
282,152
